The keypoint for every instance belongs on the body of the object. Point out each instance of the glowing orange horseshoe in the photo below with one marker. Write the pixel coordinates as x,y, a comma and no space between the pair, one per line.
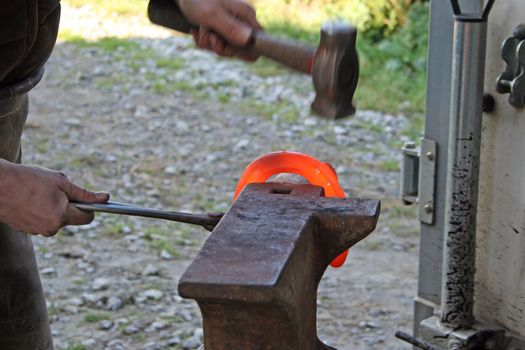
315,172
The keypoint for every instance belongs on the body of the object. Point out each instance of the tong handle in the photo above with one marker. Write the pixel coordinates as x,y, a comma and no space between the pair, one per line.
208,221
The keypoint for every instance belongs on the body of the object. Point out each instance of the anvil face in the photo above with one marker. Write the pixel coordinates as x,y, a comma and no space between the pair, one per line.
256,277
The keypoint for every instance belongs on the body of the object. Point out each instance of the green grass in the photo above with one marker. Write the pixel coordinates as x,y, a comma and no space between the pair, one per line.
109,44
76,347
390,165
161,239
95,317
172,63
264,67
285,112
115,229
43,146
224,98
121,7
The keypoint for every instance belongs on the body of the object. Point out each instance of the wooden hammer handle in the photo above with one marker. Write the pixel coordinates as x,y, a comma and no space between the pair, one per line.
287,52
290,53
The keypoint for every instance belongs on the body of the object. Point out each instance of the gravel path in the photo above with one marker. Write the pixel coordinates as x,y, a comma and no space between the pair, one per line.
156,122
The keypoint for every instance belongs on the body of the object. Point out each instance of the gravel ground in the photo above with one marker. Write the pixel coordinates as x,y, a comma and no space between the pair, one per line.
159,123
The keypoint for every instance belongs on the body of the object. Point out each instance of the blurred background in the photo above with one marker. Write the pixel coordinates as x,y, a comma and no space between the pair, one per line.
136,110
392,40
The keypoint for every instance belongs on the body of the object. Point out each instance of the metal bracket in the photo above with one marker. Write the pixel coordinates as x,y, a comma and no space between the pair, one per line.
427,181
409,173
435,335
512,81
418,178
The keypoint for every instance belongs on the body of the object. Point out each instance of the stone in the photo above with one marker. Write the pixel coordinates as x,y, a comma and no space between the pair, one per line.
131,329
166,255
116,344
154,294
114,303
174,341
90,297
191,343
153,345
75,301
310,121
186,315
198,333
48,271
158,325
150,270
105,325
100,284
71,309
121,321
72,254
89,343
170,170
242,144
369,324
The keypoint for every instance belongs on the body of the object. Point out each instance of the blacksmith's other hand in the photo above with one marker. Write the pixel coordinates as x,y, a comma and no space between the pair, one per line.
36,200
224,25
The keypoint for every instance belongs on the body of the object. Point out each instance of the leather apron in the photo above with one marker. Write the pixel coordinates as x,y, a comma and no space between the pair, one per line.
24,323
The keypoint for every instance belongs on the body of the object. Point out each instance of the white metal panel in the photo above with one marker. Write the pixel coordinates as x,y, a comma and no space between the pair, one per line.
500,276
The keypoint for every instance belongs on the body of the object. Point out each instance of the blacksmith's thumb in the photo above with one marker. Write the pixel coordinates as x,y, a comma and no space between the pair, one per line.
76,193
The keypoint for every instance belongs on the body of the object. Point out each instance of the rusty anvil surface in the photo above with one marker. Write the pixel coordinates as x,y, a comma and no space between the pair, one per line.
256,277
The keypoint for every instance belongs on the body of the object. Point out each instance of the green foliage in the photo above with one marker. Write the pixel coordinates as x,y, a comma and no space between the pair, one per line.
407,49
393,70
382,15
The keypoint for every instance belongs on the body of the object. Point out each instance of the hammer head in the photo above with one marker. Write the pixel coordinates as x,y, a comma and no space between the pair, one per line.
336,70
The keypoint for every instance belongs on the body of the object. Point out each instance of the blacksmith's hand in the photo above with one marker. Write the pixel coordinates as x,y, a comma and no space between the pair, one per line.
36,200
223,25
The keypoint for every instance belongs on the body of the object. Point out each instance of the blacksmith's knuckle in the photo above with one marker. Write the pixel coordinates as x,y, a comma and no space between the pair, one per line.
85,194
208,11
250,11
61,179
231,29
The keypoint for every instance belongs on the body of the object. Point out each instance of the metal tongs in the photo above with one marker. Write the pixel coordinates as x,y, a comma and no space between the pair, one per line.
208,221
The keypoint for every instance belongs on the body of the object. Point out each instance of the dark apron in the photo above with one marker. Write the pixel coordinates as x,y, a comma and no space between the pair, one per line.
23,316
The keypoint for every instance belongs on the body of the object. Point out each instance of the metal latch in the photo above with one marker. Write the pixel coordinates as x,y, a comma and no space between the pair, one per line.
512,81
418,172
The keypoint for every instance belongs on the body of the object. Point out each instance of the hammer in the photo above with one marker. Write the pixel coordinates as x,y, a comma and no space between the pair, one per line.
334,65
